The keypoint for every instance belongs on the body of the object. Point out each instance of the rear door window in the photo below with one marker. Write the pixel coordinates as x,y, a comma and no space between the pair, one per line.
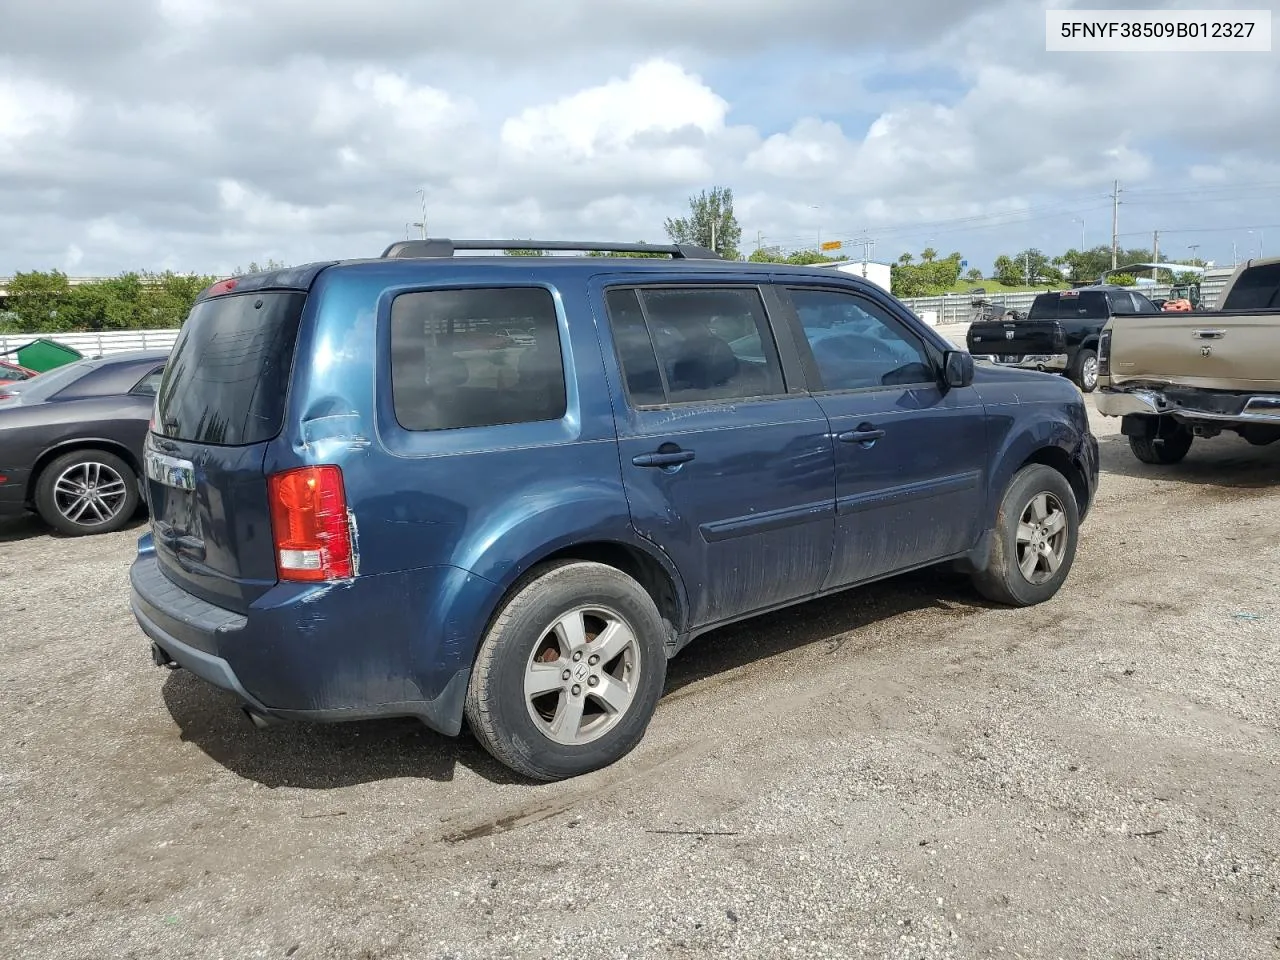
694,344
226,379
1122,302
476,358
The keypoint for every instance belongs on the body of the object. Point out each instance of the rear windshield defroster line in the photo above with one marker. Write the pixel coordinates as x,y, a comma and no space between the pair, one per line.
227,376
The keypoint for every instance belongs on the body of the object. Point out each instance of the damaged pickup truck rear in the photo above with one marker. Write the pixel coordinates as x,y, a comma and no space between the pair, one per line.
1173,377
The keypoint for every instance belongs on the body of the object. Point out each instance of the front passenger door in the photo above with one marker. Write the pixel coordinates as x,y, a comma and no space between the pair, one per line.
911,457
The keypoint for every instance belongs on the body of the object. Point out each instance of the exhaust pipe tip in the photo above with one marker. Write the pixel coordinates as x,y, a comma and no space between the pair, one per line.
257,720
160,657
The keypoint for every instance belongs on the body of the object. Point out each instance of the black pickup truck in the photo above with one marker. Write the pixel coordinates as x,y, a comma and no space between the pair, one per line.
1060,333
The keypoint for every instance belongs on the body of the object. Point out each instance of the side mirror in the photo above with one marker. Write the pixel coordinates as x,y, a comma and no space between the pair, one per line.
957,368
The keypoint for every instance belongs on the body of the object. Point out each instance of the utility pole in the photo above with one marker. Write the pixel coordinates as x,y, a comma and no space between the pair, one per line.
1027,260
1193,247
759,240
713,234
1115,223
1155,254
423,224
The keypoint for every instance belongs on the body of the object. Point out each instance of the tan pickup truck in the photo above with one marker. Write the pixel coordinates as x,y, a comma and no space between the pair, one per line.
1173,377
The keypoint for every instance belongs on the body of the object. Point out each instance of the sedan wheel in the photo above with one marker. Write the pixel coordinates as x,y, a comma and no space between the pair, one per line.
90,493
86,492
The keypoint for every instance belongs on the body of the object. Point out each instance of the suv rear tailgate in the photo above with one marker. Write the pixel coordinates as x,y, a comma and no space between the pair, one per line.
1209,350
221,402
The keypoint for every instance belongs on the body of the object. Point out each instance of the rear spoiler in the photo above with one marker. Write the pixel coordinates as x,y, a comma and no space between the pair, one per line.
290,278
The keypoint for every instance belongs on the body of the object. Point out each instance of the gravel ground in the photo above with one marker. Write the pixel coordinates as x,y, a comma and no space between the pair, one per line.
902,771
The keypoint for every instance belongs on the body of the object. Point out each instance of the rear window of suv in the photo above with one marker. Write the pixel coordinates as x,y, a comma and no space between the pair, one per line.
226,379
475,358
1057,306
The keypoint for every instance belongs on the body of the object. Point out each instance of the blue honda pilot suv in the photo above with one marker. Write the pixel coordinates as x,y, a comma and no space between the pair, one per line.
508,489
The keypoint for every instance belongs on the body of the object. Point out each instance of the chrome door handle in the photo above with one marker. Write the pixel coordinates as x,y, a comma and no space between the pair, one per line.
1209,334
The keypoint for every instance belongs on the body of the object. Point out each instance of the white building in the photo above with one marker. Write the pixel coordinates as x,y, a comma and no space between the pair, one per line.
877,273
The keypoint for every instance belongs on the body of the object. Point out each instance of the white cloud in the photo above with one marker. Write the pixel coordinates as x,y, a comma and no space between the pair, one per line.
209,143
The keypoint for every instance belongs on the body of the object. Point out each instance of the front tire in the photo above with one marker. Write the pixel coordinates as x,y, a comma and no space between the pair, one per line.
1033,542
1084,371
86,492
1163,450
569,674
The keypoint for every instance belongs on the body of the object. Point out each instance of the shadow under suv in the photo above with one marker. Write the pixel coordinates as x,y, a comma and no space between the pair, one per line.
508,489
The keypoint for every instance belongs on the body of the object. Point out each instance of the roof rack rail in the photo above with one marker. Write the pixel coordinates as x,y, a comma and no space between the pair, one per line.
443,247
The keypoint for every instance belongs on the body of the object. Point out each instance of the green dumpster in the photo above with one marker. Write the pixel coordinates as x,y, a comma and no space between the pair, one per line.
43,355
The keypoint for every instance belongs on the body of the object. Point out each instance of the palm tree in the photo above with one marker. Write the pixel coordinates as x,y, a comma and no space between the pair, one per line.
906,259
928,255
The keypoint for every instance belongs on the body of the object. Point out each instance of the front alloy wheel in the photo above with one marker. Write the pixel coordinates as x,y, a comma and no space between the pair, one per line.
1041,538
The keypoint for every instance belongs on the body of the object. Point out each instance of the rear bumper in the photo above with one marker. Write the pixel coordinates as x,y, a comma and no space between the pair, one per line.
1263,409
1048,362
314,652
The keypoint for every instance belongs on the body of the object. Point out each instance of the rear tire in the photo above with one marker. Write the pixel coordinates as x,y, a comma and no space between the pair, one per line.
1084,371
86,492
1164,450
1033,542
569,674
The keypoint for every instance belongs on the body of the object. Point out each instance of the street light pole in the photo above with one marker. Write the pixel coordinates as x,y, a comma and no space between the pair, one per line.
1080,220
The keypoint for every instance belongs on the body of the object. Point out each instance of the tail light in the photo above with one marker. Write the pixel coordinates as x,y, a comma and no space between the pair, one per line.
1104,354
310,525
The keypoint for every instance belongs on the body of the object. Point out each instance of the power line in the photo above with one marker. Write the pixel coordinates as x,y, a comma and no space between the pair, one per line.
1236,229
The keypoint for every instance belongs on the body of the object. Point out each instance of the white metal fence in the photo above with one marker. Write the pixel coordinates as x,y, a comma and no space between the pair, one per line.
98,344
955,308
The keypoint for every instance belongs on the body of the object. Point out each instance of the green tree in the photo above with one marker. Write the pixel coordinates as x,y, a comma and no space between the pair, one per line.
711,223
768,255
806,258
1122,279
928,254
253,267
974,275
38,301
524,253
642,255
1007,272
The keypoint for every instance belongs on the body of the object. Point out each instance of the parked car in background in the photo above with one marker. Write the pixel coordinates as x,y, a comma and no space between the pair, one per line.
1179,375
71,441
13,373
537,523
1060,333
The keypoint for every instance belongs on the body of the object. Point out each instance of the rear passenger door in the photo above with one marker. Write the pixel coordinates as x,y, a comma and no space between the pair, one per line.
910,457
726,461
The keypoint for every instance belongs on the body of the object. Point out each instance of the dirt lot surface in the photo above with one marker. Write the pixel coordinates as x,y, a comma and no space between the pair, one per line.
901,771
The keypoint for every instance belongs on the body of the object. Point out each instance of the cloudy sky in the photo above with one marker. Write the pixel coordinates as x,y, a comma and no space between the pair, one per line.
203,134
